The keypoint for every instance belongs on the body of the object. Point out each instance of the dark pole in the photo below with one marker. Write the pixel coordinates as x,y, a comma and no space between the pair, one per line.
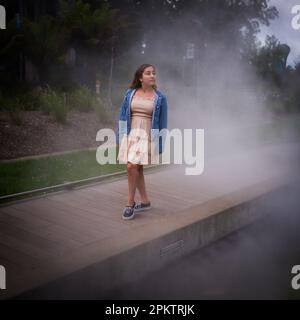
21,56
111,72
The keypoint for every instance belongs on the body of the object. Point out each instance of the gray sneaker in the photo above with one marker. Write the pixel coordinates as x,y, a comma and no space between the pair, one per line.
140,206
128,212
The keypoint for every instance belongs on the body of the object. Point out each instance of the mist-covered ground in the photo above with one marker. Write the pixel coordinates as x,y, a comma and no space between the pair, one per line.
252,263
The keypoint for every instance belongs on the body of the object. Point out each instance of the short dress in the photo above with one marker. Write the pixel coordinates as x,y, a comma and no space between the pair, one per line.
137,147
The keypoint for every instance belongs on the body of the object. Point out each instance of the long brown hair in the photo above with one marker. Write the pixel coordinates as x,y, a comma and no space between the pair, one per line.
136,83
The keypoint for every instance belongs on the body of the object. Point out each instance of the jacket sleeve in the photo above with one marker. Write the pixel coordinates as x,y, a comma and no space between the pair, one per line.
121,112
163,122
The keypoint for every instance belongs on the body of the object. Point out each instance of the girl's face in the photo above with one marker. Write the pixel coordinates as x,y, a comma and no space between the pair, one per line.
149,76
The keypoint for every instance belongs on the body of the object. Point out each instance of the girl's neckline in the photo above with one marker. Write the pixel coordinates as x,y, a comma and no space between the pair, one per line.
144,98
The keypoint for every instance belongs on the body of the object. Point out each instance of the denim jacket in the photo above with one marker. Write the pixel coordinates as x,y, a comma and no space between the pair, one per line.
159,118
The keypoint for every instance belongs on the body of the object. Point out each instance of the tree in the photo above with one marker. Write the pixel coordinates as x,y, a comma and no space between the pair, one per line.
45,39
46,42
270,60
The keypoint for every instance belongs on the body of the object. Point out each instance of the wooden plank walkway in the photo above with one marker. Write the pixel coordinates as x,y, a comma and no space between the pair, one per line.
38,232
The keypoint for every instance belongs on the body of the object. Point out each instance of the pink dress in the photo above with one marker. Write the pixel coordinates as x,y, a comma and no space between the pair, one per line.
137,147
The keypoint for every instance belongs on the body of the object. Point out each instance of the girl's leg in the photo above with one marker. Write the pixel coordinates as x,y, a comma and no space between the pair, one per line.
141,185
133,173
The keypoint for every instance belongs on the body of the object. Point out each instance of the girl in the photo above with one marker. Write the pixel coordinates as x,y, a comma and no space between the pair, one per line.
144,108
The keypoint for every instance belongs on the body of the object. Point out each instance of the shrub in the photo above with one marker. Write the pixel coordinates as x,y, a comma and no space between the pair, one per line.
82,99
100,109
53,102
13,106
31,99
4,103
15,111
85,100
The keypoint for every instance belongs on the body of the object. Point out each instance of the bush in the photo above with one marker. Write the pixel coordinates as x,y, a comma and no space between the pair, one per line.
4,103
54,103
31,99
15,111
100,110
13,106
82,99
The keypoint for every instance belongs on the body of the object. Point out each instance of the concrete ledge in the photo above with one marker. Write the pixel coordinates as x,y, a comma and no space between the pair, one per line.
93,271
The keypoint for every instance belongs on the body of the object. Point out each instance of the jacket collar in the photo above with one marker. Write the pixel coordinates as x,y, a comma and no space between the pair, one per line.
157,99
158,93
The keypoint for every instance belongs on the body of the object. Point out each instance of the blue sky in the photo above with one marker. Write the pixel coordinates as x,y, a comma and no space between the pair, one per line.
282,29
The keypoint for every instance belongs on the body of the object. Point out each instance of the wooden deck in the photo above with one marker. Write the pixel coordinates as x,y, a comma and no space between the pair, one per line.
40,238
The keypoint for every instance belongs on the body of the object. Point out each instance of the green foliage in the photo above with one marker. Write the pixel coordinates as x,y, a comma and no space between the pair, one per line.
92,26
15,111
82,99
53,102
4,103
29,174
31,99
270,60
45,40
14,106
101,110
281,81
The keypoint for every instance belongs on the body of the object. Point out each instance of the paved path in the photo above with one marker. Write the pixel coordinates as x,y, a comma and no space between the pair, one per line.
39,238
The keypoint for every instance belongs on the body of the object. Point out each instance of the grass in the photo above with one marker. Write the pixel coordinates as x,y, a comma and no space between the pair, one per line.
29,174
